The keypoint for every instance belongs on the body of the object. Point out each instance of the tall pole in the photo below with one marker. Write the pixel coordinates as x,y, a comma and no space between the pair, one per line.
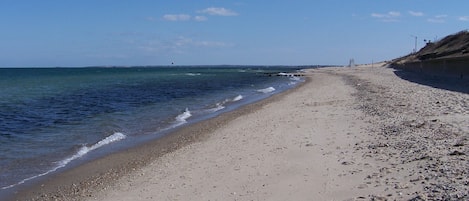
415,46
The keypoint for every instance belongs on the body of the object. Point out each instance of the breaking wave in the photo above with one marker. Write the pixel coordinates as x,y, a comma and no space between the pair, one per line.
81,152
266,90
182,118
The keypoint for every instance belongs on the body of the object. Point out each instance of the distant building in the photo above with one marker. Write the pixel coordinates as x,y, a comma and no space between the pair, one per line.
351,63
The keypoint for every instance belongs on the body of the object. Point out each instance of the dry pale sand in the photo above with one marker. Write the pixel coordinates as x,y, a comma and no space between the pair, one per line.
348,134
359,133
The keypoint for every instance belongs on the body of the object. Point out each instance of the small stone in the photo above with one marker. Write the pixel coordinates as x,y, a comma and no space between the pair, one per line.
415,180
459,144
378,198
347,163
400,186
418,198
362,186
456,153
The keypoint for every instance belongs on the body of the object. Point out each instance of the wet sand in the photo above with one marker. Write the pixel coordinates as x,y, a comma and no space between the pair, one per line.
346,134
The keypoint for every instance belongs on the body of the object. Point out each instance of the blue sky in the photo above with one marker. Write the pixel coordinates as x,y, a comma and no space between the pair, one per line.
244,32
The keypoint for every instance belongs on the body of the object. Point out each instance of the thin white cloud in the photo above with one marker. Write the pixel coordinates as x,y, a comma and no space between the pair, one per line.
394,14
378,15
438,19
218,11
200,18
188,42
464,18
416,14
177,17
151,18
212,44
391,16
177,45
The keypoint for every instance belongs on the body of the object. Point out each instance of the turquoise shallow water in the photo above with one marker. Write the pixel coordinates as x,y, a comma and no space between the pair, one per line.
51,118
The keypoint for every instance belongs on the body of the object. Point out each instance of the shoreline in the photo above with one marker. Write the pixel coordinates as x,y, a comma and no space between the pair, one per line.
359,133
75,182
300,147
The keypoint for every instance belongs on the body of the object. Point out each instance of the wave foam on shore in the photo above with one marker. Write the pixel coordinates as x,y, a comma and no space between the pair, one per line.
80,153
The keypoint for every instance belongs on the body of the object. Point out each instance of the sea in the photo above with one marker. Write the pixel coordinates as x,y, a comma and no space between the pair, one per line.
52,119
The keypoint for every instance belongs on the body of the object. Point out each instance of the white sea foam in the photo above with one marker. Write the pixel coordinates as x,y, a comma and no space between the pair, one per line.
193,74
295,78
266,90
179,120
182,118
237,98
291,75
83,150
218,106
221,105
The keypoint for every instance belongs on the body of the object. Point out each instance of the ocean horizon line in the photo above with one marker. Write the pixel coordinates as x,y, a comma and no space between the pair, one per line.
173,66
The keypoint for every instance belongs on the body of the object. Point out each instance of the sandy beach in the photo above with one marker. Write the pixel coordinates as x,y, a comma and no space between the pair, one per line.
363,133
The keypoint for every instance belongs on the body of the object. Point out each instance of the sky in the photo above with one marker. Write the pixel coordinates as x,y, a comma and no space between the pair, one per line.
52,33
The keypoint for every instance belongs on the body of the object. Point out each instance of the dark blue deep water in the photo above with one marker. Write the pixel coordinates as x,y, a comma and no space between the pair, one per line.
52,117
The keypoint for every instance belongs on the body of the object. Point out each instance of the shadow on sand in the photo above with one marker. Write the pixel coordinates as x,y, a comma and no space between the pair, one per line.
440,82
